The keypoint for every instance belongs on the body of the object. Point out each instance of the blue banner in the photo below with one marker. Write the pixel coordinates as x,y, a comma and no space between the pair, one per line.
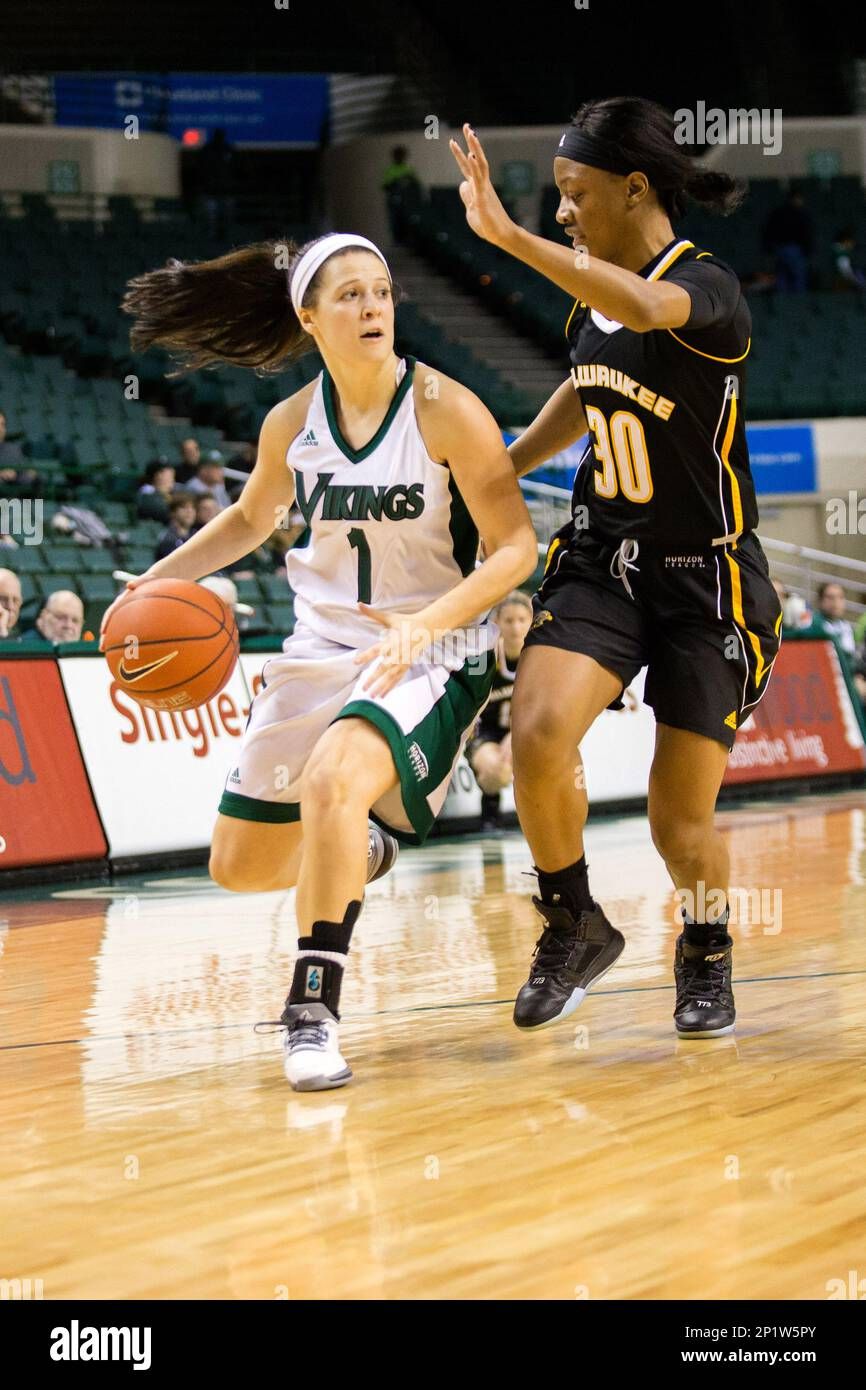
782,457
250,107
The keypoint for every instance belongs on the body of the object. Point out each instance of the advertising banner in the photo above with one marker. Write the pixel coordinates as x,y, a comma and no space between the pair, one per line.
47,813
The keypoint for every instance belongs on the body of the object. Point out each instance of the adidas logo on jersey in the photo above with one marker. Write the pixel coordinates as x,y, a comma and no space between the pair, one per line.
235,776
310,438
731,719
419,763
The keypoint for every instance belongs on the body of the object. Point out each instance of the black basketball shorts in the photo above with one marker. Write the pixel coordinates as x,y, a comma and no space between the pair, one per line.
706,625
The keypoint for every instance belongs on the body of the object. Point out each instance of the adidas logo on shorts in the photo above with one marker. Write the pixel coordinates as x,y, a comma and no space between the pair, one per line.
419,763
310,438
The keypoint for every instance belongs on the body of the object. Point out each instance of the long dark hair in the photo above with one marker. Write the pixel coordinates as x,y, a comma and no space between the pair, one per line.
234,309
643,132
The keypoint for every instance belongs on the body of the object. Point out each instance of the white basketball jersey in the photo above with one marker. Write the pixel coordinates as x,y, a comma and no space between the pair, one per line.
386,525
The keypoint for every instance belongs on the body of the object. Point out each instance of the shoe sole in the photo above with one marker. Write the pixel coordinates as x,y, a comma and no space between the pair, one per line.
707,1033
322,1083
574,1000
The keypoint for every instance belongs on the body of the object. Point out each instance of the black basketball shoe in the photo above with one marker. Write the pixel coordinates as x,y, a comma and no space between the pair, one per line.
570,955
705,998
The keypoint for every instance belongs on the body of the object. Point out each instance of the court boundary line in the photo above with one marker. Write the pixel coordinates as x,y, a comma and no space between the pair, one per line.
413,1009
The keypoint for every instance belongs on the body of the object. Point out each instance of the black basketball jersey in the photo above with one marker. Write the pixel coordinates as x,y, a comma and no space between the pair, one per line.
667,460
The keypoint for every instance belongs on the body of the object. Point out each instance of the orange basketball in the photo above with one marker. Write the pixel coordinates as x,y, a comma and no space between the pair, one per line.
171,644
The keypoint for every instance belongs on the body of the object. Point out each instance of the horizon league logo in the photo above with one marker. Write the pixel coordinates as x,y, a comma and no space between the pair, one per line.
717,127
362,502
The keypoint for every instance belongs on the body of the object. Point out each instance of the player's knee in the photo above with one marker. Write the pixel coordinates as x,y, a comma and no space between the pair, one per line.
329,784
536,745
236,874
678,840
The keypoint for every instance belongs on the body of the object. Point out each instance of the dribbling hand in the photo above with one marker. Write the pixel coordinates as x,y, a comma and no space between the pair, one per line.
400,647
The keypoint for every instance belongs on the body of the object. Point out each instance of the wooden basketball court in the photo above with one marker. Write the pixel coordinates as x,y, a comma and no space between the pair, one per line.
153,1149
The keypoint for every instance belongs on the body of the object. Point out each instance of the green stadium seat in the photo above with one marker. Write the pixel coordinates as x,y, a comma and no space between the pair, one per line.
62,579
27,559
280,617
138,558
98,561
275,587
98,588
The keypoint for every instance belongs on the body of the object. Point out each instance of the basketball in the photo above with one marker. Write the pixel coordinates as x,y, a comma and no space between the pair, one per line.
171,644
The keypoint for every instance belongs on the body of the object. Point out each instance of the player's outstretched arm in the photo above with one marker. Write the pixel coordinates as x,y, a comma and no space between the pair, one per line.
559,422
629,299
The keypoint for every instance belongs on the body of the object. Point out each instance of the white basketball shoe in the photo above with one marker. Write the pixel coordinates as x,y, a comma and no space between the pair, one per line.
312,1059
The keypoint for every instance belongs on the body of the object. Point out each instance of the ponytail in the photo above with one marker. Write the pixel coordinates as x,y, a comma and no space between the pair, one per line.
713,189
234,309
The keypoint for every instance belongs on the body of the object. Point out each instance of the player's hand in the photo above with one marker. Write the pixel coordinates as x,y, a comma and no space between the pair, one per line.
130,584
484,211
403,642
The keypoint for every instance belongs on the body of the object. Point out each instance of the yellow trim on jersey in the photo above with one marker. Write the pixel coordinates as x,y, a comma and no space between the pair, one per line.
709,354
673,255
740,620
701,254
571,315
551,551
735,486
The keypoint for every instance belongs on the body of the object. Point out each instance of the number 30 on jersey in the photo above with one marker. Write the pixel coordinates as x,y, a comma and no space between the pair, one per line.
620,448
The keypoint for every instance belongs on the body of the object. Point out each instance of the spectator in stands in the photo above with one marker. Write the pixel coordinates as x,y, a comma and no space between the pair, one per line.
795,610
402,189
60,619
846,276
17,478
155,492
789,239
489,752
190,456
860,625
10,602
830,618
245,458
181,522
210,478
206,508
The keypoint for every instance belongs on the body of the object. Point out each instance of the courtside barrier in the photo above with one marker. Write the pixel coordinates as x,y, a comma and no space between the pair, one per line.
86,773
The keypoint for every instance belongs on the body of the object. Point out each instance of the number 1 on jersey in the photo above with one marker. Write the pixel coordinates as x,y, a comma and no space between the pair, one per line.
358,541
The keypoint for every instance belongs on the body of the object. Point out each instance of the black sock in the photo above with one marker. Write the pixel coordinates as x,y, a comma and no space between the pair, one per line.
317,978
707,933
567,888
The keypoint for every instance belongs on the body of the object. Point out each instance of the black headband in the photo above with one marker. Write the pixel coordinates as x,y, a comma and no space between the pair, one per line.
591,149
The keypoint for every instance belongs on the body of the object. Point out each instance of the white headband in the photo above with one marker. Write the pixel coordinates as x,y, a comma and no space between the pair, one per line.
318,254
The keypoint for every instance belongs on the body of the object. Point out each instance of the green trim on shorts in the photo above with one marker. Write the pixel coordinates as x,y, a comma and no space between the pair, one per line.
437,737
253,808
414,800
